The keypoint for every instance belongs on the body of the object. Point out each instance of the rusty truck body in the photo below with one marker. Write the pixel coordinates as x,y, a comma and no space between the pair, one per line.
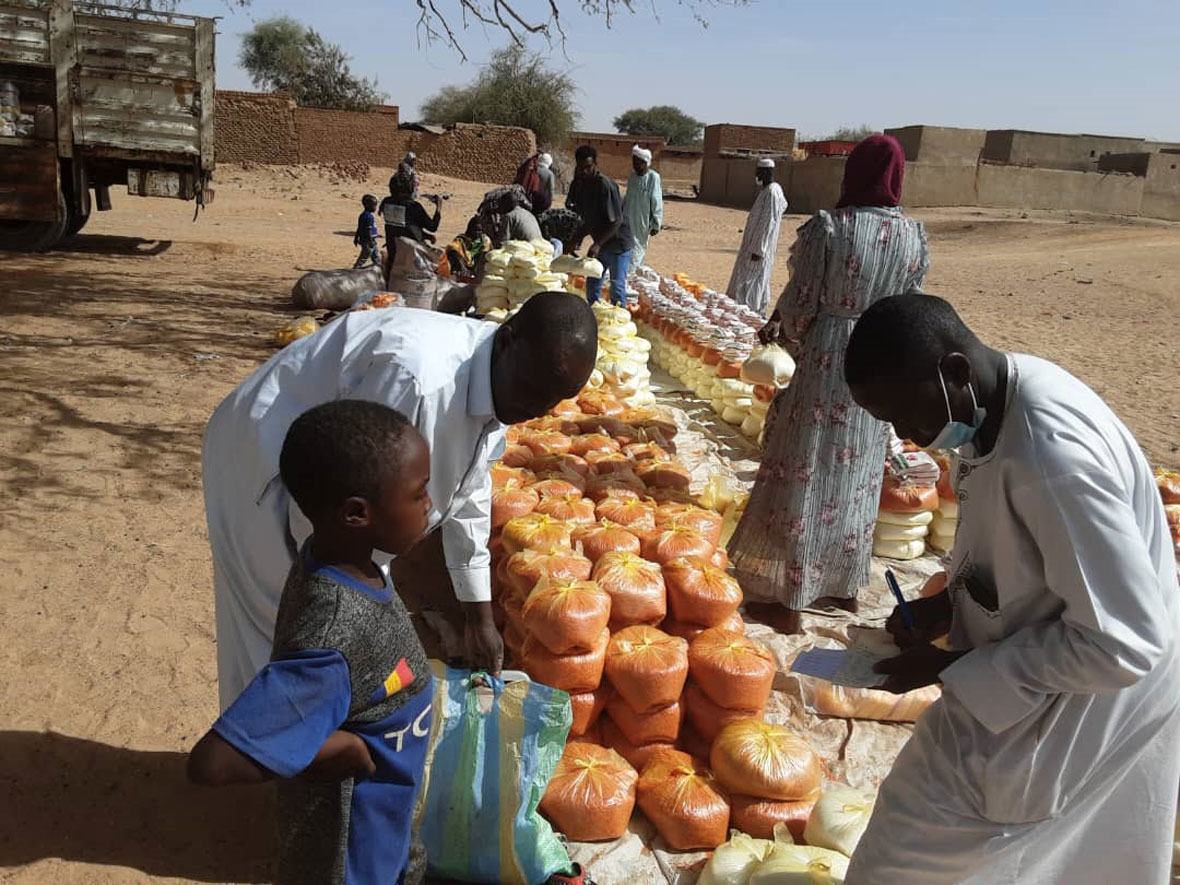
107,96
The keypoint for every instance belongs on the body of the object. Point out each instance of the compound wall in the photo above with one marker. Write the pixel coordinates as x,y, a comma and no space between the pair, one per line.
331,136
940,145
1050,150
255,127
1016,187
724,137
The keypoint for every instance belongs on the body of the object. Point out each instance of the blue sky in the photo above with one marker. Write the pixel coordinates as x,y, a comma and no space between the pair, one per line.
1053,65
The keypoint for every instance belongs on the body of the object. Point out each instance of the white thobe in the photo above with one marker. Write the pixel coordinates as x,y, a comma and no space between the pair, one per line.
749,284
644,208
433,368
1053,755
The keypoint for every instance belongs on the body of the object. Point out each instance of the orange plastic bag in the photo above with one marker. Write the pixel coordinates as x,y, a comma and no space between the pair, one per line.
621,484
757,817
604,537
865,703
643,419
664,475
606,463
526,568
591,794
665,545
516,455
505,477
568,508
709,718
647,667
636,588
572,673
567,617
646,451
587,706
567,408
684,804
510,503
898,497
733,670
706,523
585,443
545,442
551,486
765,760
633,514
560,465
661,725
733,624
596,402
639,755
699,593
536,531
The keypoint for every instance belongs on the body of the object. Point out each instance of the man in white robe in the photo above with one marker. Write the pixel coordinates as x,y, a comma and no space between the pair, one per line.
1053,755
749,284
644,203
458,380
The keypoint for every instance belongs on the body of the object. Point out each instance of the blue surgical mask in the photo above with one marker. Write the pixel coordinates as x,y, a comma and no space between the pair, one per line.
956,434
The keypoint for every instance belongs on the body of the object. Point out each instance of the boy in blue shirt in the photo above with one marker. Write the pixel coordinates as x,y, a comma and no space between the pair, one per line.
341,714
366,233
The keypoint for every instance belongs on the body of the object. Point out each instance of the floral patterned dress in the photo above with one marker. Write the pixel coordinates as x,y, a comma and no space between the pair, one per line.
807,531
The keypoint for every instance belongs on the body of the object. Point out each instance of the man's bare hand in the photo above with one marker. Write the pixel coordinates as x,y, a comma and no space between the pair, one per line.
482,643
343,755
932,618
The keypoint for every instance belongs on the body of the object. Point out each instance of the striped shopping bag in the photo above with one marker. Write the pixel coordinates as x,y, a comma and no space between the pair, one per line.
494,746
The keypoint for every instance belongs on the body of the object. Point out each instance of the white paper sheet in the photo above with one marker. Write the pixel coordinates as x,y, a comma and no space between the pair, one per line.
851,667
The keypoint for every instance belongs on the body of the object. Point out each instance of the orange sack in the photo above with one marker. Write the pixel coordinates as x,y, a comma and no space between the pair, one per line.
558,485
765,760
1168,483
561,464
505,477
646,451
567,408
621,484
707,717
688,516
526,568
596,402
568,508
536,531
510,503
516,455
898,497
757,817
606,463
545,442
604,537
591,794
664,545
659,725
566,616
636,588
587,706
700,593
632,514
585,443
647,667
639,755
573,673
684,803
733,624
664,474
733,670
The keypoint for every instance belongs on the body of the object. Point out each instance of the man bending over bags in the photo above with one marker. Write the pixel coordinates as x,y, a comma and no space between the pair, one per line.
459,382
1053,755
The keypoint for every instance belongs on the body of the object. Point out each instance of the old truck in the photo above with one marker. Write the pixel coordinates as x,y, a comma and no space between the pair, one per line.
93,96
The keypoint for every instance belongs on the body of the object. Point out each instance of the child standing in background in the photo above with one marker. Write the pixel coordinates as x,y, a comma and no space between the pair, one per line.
341,714
366,233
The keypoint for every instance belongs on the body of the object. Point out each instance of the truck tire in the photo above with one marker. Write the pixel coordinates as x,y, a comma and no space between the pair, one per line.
36,236
77,222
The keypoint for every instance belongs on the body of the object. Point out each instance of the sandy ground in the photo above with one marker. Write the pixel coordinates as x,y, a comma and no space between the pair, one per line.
116,349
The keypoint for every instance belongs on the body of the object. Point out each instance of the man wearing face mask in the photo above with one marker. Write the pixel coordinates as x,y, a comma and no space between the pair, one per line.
1052,756
459,381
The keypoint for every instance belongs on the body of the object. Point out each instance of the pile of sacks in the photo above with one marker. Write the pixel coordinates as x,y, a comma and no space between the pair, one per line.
945,524
515,273
708,341
905,514
623,356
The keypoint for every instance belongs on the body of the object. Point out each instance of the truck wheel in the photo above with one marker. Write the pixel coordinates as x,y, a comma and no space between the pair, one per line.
77,222
36,236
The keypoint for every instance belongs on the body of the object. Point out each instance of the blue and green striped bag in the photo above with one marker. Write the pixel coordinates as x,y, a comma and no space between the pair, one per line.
487,770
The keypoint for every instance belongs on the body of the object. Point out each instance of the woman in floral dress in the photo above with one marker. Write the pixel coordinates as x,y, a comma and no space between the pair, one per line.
807,532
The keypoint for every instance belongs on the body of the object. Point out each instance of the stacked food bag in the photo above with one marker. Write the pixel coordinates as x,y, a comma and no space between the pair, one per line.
514,273
903,519
623,355
577,271
945,524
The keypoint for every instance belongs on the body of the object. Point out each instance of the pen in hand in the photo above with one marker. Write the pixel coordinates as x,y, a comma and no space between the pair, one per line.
907,616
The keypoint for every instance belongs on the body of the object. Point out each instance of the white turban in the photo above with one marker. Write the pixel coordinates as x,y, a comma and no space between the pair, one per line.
545,160
766,163
641,153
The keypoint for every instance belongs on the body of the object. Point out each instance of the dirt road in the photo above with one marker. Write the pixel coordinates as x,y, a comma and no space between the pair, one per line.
116,349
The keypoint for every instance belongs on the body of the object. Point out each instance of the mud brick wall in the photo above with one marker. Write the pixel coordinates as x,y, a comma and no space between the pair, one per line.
255,127
470,151
331,136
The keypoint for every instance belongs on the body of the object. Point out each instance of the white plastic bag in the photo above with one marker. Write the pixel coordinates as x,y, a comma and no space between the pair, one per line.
790,864
839,818
733,862
769,364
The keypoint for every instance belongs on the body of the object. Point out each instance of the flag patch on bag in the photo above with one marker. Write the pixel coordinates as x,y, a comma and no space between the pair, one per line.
399,678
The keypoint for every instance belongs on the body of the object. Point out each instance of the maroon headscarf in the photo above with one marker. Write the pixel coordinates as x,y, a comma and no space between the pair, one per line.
874,173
